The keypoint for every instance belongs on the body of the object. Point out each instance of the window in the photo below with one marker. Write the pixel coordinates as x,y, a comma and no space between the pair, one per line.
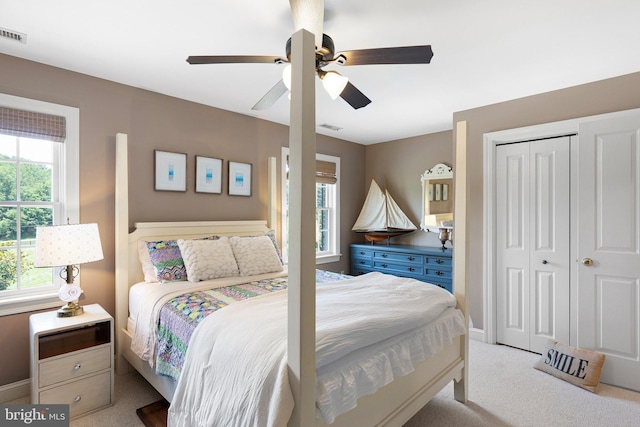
327,207
38,186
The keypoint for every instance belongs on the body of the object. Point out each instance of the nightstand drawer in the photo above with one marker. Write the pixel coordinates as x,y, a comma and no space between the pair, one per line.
82,396
74,365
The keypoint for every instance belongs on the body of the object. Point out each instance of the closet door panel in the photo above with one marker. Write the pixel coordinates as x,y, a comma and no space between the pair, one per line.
609,246
512,196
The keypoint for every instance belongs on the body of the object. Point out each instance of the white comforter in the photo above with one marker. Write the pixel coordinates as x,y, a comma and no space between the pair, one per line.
145,315
235,373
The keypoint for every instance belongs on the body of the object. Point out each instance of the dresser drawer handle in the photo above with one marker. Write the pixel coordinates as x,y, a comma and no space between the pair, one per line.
77,399
363,253
412,269
384,265
78,366
439,261
384,255
363,262
411,258
439,273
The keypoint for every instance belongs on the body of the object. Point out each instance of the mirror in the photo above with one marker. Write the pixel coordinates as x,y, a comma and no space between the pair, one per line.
437,199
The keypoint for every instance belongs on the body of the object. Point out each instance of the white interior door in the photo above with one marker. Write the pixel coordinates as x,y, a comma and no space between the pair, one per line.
532,233
609,246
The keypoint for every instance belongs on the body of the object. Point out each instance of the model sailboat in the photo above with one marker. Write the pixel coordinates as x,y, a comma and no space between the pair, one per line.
381,218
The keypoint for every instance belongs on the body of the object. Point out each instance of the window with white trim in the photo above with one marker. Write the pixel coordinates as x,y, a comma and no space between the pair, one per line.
327,207
38,186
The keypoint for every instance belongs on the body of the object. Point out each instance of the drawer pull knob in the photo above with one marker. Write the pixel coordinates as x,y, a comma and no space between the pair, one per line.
77,399
411,258
384,255
78,366
439,273
363,262
384,265
412,269
362,253
439,261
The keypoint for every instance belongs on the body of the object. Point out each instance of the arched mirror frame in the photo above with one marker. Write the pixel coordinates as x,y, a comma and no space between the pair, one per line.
434,212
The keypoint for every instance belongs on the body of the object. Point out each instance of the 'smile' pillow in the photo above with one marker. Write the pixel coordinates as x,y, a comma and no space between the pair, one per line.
255,255
575,365
208,259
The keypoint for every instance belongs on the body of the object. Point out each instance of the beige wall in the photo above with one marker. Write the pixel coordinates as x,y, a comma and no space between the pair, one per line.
617,94
154,121
398,165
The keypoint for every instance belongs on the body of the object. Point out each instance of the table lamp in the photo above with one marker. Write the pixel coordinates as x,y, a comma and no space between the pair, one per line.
66,246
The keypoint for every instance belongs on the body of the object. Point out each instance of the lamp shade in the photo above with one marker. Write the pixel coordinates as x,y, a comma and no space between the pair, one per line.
62,245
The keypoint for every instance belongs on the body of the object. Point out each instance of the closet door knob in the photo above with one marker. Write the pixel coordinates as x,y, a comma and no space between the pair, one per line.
587,262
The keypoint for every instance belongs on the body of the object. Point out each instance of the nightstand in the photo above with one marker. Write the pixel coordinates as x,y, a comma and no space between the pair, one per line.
72,359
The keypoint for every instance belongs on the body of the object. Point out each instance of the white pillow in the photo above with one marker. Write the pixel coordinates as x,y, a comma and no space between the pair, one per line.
148,269
208,259
255,255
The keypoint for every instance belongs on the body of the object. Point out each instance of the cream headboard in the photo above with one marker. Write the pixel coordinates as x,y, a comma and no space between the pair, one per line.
128,269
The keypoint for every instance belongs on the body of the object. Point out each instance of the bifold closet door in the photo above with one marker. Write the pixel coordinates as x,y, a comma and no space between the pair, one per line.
532,248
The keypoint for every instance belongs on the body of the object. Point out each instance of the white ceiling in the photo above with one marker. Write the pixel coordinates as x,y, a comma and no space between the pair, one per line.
484,52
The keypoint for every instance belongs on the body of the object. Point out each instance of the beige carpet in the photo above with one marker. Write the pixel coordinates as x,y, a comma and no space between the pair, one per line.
505,390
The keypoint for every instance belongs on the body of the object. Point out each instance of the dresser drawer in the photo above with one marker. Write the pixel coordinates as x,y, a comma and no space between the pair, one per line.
361,253
396,268
82,396
397,257
439,274
362,262
74,365
435,261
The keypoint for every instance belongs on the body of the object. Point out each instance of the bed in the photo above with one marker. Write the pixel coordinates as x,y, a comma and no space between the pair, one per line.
391,405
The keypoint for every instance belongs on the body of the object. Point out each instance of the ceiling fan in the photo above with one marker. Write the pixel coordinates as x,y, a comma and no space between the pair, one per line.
309,14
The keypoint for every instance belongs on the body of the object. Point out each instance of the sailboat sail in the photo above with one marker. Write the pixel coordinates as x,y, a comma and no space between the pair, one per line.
380,213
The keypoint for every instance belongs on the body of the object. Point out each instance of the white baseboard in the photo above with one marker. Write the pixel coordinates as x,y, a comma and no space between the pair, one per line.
15,390
476,334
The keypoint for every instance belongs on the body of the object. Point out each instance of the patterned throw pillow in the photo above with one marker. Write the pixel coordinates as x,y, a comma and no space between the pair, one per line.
255,255
167,260
208,259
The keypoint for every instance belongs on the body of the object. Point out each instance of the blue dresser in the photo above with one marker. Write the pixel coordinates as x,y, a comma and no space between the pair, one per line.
426,263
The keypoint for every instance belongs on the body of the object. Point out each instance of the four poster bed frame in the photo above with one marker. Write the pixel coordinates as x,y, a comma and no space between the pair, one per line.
393,404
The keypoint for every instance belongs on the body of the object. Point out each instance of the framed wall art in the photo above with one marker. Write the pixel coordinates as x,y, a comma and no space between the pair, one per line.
170,171
239,179
208,175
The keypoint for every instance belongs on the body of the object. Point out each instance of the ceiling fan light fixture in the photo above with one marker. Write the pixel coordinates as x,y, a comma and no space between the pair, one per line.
286,76
334,83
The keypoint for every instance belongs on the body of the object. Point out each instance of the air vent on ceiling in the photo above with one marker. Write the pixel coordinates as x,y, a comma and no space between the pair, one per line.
330,127
13,35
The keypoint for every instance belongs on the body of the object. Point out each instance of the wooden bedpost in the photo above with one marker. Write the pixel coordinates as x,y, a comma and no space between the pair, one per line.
302,257
121,239
460,251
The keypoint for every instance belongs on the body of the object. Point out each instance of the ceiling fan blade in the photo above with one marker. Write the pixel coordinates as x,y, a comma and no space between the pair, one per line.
308,14
271,97
386,55
235,59
354,97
